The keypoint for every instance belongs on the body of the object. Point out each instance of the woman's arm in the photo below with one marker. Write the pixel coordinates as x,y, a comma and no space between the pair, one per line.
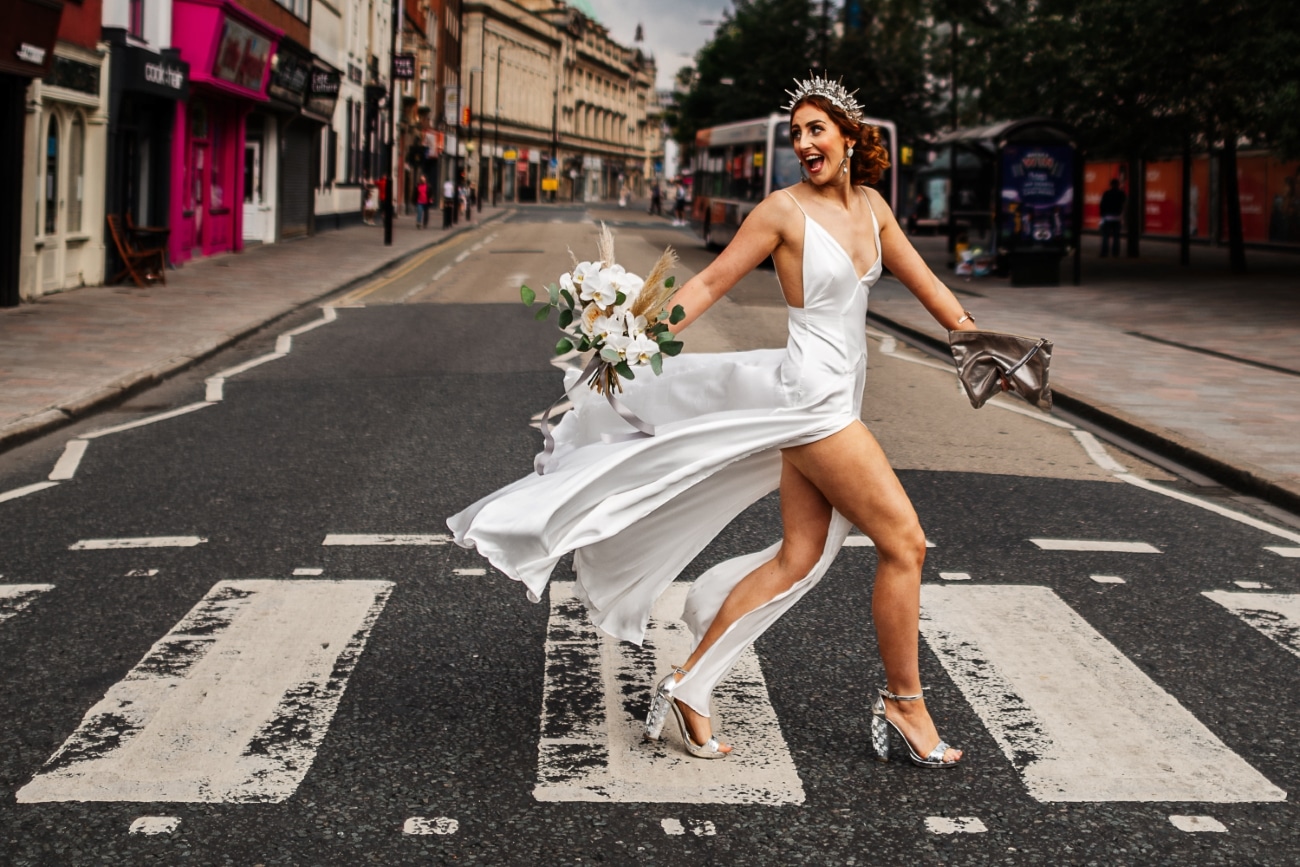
901,258
758,236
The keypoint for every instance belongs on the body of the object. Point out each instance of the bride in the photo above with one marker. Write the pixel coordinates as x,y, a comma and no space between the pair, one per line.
730,428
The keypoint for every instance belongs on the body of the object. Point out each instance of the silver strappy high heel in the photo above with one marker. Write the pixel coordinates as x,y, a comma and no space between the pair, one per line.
881,724
660,704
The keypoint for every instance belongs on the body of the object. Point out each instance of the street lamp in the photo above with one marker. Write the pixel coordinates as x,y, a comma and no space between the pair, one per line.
496,122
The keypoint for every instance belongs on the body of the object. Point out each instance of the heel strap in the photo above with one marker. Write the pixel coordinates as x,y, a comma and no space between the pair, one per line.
885,693
679,670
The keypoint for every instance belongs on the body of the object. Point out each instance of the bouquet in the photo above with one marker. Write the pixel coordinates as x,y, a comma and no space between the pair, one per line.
621,317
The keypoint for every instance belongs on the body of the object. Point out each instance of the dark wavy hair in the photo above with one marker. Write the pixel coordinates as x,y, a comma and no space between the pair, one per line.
870,159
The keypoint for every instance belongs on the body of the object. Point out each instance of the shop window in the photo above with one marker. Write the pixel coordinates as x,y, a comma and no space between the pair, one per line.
300,8
76,172
217,174
52,175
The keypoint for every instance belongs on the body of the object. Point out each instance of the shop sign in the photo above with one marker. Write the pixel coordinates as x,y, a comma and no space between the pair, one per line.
510,155
324,91
27,32
156,74
404,67
1037,196
354,73
242,55
290,76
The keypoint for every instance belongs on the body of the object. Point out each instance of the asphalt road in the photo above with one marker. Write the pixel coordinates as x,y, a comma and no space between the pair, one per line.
241,628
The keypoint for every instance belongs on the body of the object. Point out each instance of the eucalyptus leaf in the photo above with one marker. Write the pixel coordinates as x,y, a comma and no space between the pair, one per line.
657,363
670,282
566,318
609,354
527,295
624,370
678,314
620,299
671,348
554,292
542,312
565,345
568,298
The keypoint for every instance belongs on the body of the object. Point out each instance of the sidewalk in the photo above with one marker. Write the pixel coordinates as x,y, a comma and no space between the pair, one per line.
1193,362
68,353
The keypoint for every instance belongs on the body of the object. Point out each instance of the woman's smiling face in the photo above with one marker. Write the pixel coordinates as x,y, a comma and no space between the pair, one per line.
818,142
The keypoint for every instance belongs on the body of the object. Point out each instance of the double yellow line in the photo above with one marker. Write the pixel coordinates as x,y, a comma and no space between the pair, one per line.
416,261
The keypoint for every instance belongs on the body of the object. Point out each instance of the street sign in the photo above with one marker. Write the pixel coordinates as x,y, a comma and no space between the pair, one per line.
555,164
451,104
404,67
550,184
510,155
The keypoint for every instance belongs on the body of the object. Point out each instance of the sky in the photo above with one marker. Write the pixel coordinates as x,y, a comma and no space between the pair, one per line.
673,32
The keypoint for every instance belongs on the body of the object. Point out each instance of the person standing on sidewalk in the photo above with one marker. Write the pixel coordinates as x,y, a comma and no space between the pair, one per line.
421,202
1112,211
448,202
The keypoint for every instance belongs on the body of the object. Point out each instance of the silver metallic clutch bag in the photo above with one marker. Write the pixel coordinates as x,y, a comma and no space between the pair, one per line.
989,363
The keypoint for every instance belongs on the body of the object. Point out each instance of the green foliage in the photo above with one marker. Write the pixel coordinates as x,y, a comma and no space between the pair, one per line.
678,314
527,295
657,363
563,346
542,312
624,370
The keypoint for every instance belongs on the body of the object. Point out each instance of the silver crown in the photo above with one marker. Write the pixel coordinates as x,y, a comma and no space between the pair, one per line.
832,90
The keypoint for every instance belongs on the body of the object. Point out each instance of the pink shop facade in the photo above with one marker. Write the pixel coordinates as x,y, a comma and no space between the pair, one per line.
229,51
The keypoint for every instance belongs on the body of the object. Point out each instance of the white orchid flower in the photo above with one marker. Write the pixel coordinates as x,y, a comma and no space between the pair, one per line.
619,343
636,325
600,288
606,326
641,349
566,282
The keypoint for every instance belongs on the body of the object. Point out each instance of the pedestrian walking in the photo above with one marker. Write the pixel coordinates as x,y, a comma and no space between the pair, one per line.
656,199
464,202
679,204
421,202
1112,212
448,202
746,423
369,202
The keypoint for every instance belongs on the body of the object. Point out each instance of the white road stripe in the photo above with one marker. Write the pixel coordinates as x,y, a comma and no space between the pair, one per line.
469,573
1098,452
1095,545
153,825
1194,824
139,542
142,573
284,344
214,389
440,273
1283,552
1073,715
1276,615
66,467
857,540
955,825
308,571
25,490
249,365
440,825
1253,585
955,576
141,422
385,539
594,699
1208,506
16,597
230,706
1108,579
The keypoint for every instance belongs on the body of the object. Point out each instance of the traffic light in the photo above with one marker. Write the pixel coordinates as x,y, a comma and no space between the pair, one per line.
464,117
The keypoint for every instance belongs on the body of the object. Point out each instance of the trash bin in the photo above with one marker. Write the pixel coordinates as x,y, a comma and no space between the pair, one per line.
1036,267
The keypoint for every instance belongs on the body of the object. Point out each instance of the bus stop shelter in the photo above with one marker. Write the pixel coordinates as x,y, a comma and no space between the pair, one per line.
1014,187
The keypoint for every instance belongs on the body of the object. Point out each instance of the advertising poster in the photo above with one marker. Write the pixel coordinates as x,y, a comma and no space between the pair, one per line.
1270,200
1164,198
241,56
1036,203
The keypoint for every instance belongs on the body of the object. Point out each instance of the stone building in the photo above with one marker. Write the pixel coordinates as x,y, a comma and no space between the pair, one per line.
562,110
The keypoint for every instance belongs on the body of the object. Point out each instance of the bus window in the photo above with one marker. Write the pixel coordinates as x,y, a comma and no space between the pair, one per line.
785,172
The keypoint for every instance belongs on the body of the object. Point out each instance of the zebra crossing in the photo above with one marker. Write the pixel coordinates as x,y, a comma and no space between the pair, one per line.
233,702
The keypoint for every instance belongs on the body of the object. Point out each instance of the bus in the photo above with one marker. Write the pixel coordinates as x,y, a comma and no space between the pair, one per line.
737,165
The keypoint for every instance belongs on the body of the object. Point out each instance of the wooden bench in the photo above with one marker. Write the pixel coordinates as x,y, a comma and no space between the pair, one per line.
144,261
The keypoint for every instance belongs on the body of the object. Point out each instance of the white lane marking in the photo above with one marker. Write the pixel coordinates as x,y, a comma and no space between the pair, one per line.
1048,686
142,573
440,273
1095,545
141,422
16,597
153,825
1011,404
420,825
1289,535
249,365
327,316
955,576
1193,824
1108,579
66,467
1253,585
1276,615
954,825
229,706
1098,452
283,344
857,540
385,539
469,573
462,257
139,542
214,389
307,571
675,828
1283,552
594,699
25,490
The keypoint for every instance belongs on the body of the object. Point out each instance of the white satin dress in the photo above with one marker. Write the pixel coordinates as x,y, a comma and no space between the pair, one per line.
636,512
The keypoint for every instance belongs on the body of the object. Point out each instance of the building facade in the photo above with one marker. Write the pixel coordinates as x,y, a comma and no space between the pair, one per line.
62,233
563,111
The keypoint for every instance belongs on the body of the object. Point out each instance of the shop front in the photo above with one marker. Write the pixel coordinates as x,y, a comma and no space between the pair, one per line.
145,87
229,52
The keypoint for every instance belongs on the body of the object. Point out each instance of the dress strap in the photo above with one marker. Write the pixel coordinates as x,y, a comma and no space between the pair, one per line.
875,224
796,201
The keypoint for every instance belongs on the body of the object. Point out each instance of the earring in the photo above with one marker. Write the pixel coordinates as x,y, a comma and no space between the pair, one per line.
850,151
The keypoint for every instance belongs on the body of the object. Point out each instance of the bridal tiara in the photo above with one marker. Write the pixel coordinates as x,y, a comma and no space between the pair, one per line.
832,90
